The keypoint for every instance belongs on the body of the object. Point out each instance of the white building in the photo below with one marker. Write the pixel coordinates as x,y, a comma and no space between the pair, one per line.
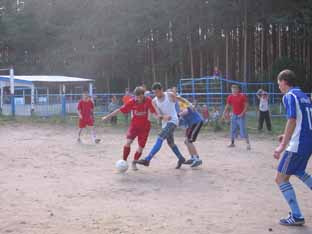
42,95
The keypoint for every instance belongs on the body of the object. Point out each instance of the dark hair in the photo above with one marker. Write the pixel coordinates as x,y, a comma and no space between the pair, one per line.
287,75
139,91
235,86
156,85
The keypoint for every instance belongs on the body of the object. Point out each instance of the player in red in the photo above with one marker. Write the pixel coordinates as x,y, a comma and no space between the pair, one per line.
140,106
85,113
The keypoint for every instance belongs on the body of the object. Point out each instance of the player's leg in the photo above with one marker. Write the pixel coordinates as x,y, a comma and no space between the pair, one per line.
157,146
142,139
261,120
303,175
131,135
93,134
267,119
191,137
173,146
287,167
82,124
233,129
243,130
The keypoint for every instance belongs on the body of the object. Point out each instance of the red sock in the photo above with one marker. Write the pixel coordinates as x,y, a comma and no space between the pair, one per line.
137,155
126,152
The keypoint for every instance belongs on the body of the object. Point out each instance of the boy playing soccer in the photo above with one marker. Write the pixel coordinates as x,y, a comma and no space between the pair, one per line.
239,104
85,113
296,142
194,122
140,125
165,105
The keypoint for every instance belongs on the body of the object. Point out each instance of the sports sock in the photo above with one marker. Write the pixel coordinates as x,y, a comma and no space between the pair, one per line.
126,152
93,135
137,155
290,196
306,179
177,152
155,149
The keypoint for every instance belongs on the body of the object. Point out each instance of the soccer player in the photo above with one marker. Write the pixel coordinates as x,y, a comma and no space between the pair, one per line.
296,142
239,104
194,122
140,126
85,112
165,105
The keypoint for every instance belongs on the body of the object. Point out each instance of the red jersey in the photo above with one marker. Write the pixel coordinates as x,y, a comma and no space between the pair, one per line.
139,111
237,102
85,108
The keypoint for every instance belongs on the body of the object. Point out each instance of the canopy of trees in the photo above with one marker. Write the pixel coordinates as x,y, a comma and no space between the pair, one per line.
123,43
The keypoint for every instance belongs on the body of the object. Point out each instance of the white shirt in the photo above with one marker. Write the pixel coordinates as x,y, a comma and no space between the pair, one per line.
264,104
167,107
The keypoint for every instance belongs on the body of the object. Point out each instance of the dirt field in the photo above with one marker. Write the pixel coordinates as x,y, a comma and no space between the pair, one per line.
49,184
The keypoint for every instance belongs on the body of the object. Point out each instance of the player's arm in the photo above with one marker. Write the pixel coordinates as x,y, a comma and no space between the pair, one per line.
157,114
79,111
226,110
184,112
290,105
185,101
245,109
110,115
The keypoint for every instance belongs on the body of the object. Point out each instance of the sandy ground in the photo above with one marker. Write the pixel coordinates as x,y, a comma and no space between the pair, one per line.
50,184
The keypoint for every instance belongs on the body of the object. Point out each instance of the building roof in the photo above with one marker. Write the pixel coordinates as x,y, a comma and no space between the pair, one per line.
46,79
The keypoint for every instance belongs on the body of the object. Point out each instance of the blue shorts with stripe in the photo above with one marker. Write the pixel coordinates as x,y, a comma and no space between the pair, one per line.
293,163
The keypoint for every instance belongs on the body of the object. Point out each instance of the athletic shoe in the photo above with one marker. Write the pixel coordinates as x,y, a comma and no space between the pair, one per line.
180,162
189,161
78,140
231,145
292,221
134,166
143,162
196,163
97,141
248,147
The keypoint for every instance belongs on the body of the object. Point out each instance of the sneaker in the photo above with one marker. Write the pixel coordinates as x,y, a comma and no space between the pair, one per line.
197,162
78,140
189,161
180,162
231,145
97,141
134,166
248,147
292,221
143,162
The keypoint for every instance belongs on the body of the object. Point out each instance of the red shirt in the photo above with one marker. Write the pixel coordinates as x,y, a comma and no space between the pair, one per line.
139,111
85,108
237,102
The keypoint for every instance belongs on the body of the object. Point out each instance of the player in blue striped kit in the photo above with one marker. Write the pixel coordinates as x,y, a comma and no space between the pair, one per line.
297,144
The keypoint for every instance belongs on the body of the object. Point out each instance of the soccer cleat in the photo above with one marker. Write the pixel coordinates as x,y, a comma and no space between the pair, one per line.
196,163
134,166
292,221
180,162
189,161
231,145
97,141
248,147
143,162
78,140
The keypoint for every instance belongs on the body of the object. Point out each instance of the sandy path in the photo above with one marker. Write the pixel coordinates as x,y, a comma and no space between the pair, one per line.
49,184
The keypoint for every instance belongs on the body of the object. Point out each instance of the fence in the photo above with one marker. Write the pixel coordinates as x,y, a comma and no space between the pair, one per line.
61,105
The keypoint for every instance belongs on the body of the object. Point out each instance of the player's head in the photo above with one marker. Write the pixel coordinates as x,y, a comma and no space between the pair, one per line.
286,79
85,96
139,94
157,89
235,89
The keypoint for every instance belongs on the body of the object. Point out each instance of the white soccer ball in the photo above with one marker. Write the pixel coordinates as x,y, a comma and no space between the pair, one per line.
122,166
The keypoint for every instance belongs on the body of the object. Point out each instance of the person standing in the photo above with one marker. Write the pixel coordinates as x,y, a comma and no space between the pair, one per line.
296,143
264,112
239,104
111,108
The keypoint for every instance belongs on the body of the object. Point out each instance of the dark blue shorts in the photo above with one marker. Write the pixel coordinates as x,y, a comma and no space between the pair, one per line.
293,164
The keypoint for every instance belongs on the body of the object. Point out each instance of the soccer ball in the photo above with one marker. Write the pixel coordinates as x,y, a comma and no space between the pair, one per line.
122,166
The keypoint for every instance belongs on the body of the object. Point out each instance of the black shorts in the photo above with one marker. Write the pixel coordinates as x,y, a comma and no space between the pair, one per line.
192,132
